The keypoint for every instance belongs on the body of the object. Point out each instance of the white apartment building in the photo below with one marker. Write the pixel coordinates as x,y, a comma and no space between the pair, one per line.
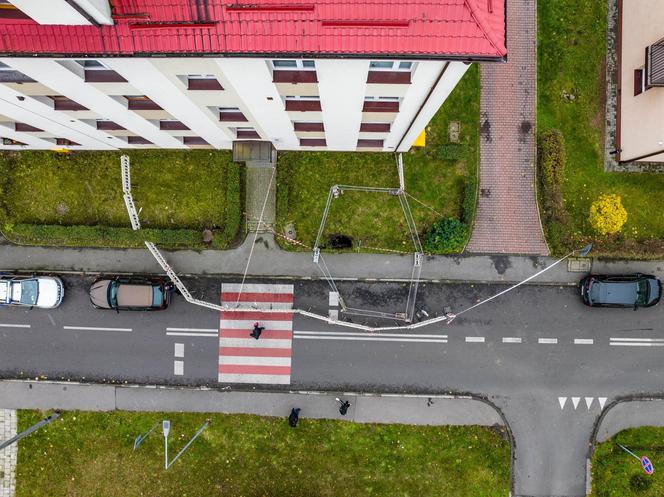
303,75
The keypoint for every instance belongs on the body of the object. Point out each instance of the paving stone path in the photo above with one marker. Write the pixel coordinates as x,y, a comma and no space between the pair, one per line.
7,455
507,215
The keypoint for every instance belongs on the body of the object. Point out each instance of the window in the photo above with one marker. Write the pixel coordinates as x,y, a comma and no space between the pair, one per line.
26,128
4,67
638,81
381,104
194,140
9,11
138,140
203,82
308,126
141,102
65,142
231,114
375,127
303,103
92,65
246,133
294,64
313,142
60,102
107,125
390,65
172,125
369,143
9,141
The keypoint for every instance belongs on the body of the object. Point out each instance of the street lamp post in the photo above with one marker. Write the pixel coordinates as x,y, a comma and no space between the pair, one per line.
581,252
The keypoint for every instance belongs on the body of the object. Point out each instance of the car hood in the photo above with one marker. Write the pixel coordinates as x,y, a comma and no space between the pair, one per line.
99,293
49,292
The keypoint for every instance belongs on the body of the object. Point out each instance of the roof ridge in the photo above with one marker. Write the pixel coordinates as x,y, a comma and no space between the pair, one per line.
481,21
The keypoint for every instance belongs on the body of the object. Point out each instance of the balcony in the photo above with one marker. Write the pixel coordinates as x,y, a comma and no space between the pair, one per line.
103,76
303,105
294,77
389,77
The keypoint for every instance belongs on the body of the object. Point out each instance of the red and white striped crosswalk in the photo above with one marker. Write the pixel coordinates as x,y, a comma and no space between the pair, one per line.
243,359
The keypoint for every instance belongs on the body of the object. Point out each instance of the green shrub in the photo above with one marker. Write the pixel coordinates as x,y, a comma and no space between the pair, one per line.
446,236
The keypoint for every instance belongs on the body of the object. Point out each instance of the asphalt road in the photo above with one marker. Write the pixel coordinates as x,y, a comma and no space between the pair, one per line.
544,359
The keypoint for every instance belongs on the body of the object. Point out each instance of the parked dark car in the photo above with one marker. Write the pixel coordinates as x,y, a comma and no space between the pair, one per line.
131,293
620,290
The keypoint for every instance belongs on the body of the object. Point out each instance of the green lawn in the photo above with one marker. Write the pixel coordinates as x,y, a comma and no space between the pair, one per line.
90,454
617,474
76,199
441,175
571,61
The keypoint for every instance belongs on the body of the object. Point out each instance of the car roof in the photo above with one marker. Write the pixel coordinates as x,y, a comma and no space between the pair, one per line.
130,295
616,292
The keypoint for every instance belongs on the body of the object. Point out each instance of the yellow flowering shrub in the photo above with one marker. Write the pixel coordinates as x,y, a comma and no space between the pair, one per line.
607,214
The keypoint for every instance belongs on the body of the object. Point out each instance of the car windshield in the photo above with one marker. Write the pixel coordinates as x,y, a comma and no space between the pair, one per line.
113,294
157,296
642,292
29,292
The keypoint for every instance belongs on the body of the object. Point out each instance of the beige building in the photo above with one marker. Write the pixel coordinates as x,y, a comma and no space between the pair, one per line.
640,106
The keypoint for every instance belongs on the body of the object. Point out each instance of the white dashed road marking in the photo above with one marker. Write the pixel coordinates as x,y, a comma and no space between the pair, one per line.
475,339
95,328
192,332
8,325
548,340
511,340
583,341
179,350
178,368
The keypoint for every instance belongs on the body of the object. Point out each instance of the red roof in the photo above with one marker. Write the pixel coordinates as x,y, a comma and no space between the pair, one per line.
417,28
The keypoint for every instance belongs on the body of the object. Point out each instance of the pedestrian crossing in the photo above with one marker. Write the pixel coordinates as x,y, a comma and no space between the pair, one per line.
243,359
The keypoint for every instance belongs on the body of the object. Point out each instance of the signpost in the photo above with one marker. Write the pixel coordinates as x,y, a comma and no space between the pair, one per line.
646,465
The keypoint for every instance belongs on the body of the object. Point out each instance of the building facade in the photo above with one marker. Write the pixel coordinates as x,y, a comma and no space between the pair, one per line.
640,105
330,75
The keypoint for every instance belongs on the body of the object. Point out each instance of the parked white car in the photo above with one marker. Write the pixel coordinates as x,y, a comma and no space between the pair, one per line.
45,292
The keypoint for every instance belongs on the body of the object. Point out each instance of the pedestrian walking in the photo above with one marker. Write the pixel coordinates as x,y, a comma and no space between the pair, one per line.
294,417
343,406
256,333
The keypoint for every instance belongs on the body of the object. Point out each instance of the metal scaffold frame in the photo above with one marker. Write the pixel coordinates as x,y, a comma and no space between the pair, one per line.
125,167
335,192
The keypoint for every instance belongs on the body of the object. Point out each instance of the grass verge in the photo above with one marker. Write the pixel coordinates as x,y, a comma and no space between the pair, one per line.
76,199
617,474
442,175
85,454
571,95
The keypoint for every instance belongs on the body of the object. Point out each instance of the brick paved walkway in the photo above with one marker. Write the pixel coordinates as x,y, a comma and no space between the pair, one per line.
507,217
8,455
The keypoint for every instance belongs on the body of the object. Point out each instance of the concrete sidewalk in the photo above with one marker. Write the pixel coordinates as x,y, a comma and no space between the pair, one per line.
365,408
270,261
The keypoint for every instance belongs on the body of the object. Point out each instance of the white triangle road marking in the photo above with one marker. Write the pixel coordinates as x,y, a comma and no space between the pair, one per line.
589,402
602,401
575,401
562,401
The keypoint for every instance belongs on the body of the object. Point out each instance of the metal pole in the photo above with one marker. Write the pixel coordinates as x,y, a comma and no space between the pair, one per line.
33,428
629,452
200,430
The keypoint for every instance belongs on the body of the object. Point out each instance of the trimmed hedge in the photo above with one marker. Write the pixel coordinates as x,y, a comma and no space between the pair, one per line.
551,161
122,236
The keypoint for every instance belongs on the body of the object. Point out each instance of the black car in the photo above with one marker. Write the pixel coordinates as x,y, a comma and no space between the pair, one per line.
131,293
620,290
